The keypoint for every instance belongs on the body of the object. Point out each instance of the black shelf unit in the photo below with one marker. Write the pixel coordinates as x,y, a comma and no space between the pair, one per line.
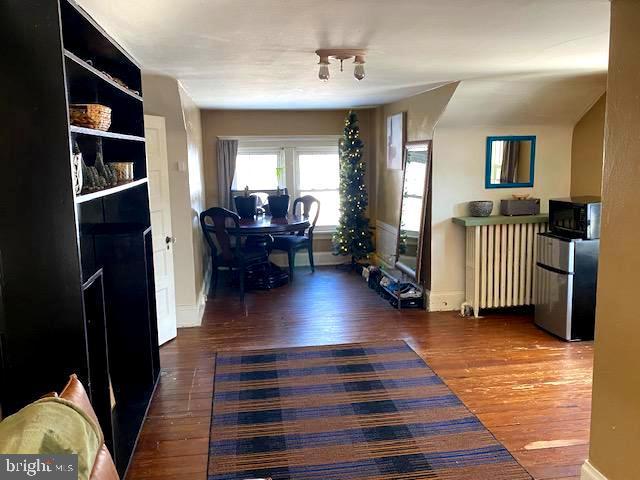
97,341
77,288
87,74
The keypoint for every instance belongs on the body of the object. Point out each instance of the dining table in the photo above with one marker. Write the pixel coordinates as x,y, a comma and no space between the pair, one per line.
268,276
267,225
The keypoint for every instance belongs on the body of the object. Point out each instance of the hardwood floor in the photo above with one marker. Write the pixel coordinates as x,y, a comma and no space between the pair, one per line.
531,390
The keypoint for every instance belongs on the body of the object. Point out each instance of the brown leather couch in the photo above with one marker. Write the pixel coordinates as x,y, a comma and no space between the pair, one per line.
103,466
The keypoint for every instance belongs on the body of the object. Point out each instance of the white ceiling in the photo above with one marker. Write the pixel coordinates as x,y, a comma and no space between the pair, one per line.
260,53
558,98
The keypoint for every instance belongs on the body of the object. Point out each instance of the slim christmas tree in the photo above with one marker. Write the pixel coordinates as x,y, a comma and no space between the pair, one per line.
352,236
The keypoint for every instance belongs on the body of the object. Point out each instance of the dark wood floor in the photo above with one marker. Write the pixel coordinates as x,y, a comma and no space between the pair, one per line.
531,390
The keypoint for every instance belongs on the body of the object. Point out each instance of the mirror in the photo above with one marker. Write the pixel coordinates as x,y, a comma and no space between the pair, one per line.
415,188
510,161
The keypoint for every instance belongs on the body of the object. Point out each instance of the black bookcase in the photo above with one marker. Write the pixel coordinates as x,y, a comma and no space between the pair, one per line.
77,288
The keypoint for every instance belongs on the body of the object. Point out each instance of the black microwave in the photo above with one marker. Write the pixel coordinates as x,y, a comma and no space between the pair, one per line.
575,217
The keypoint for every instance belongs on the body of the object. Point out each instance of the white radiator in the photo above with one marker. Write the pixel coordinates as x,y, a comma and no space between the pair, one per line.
500,265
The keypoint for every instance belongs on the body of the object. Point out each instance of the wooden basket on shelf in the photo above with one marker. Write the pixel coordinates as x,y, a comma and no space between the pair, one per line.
90,115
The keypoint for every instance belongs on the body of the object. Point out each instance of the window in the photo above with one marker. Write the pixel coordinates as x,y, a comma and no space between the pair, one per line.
319,175
305,166
257,170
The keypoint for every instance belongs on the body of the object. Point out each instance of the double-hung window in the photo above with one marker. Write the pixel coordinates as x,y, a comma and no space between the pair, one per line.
318,172
304,165
257,168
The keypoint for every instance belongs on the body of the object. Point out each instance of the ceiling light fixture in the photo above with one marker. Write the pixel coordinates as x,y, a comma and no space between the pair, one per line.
341,54
323,72
358,71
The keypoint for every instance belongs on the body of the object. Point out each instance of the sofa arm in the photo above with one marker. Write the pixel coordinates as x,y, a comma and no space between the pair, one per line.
103,466
75,393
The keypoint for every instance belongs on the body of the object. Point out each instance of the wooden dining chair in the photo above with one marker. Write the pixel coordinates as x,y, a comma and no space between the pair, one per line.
233,255
300,240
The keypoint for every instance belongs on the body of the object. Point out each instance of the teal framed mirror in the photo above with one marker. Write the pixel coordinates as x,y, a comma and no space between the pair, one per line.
510,161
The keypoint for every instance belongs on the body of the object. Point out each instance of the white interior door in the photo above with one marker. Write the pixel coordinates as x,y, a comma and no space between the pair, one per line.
160,206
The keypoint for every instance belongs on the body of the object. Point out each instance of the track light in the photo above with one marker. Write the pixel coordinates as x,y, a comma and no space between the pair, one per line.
341,54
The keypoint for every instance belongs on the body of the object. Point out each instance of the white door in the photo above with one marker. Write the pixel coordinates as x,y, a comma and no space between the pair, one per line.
160,205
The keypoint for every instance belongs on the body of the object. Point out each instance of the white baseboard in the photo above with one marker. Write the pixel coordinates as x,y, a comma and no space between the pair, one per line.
188,316
302,259
589,472
444,301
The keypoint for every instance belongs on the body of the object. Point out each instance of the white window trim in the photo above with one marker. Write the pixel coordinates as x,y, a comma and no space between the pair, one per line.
288,147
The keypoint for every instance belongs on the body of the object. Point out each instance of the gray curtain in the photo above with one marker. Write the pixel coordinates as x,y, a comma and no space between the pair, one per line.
227,152
510,159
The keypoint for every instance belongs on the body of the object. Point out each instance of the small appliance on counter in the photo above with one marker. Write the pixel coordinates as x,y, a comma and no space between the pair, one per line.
567,268
575,217
520,205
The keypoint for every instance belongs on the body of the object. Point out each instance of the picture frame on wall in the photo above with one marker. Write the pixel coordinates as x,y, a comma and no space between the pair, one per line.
395,141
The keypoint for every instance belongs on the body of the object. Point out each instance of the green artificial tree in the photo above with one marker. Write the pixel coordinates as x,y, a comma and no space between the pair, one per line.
352,236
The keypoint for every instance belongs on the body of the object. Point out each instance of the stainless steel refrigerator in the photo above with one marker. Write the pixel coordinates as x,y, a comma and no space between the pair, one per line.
566,278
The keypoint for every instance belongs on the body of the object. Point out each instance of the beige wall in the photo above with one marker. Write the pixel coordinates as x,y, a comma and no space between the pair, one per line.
162,97
459,156
615,419
587,151
423,112
458,175
195,163
220,123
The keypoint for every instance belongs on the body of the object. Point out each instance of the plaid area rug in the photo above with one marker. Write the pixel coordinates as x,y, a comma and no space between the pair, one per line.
345,412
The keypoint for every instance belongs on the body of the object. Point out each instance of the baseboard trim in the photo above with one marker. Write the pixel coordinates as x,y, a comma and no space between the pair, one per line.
444,301
302,259
188,316
589,472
